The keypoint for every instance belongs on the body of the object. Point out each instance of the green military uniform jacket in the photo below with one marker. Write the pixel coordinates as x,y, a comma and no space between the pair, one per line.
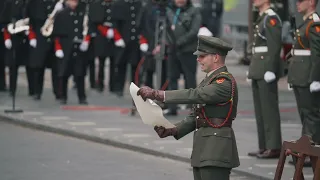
304,66
266,46
211,146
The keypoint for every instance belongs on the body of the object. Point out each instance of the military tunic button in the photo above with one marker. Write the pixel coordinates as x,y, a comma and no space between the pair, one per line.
49,40
132,7
297,30
257,26
48,7
133,30
75,21
214,14
133,15
108,18
255,35
133,38
197,117
215,134
108,10
262,57
76,30
74,54
133,22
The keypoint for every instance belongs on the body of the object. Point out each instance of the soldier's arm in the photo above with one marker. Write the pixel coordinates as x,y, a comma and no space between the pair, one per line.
185,126
217,92
314,37
273,35
59,28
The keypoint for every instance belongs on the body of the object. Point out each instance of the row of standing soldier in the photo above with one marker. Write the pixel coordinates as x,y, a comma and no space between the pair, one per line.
110,30
266,68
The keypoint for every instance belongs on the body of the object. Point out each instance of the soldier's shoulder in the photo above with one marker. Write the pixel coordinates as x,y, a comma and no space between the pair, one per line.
271,12
223,78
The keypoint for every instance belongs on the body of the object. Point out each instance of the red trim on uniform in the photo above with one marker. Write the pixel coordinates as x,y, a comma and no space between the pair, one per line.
6,34
103,29
143,40
87,38
32,34
117,35
57,45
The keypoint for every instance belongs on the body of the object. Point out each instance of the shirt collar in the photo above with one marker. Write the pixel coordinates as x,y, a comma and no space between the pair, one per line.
209,73
305,17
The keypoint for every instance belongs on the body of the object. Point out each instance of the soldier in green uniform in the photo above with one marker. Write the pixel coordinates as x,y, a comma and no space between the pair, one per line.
214,102
265,70
304,69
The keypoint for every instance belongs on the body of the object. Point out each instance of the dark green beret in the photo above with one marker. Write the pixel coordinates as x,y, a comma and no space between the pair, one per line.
212,45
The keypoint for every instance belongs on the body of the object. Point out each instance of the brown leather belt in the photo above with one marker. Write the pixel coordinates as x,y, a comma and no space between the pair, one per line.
201,122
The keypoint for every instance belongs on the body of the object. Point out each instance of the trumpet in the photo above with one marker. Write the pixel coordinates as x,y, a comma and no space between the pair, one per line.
47,28
19,26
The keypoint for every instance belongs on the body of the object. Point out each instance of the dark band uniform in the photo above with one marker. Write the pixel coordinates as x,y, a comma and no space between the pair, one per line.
215,102
42,53
304,75
68,29
17,53
3,23
265,70
126,17
101,19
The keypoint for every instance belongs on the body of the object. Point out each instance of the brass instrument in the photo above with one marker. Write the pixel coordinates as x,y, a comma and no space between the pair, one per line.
47,28
19,26
85,21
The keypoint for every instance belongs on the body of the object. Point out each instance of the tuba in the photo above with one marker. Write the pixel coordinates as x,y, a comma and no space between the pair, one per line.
47,28
19,26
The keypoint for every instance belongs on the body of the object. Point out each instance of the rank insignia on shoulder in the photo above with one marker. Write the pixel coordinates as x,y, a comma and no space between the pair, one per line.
220,80
317,29
273,22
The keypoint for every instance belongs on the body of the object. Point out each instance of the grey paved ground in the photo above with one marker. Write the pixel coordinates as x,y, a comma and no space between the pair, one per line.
34,155
107,120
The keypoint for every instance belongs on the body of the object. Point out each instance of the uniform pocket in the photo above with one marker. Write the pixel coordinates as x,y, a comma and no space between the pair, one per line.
217,145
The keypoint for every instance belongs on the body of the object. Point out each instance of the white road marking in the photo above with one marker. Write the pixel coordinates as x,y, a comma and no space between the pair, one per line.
81,123
107,129
53,118
291,125
136,135
271,166
32,113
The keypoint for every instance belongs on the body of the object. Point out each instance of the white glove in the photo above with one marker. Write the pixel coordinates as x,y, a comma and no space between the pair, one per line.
58,6
269,76
120,43
59,54
110,33
289,87
8,43
144,47
84,46
315,86
249,81
33,43
204,31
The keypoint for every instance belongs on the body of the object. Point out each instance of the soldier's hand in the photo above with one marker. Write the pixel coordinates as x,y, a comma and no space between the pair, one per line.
146,92
163,132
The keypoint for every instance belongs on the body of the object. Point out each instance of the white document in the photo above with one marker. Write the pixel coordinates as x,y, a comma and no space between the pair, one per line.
149,111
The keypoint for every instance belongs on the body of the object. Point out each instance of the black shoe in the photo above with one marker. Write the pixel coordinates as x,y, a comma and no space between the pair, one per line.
83,101
63,101
37,97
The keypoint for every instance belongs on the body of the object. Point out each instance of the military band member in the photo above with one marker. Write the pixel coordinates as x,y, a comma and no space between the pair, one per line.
265,70
71,44
42,44
304,69
3,22
127,20
104,45
16,44
215,107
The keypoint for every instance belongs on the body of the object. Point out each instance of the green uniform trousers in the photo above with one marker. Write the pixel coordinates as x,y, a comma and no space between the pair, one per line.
267,113
211,173
308,105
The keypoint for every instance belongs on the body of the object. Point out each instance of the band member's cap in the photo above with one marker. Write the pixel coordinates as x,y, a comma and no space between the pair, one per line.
212,45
